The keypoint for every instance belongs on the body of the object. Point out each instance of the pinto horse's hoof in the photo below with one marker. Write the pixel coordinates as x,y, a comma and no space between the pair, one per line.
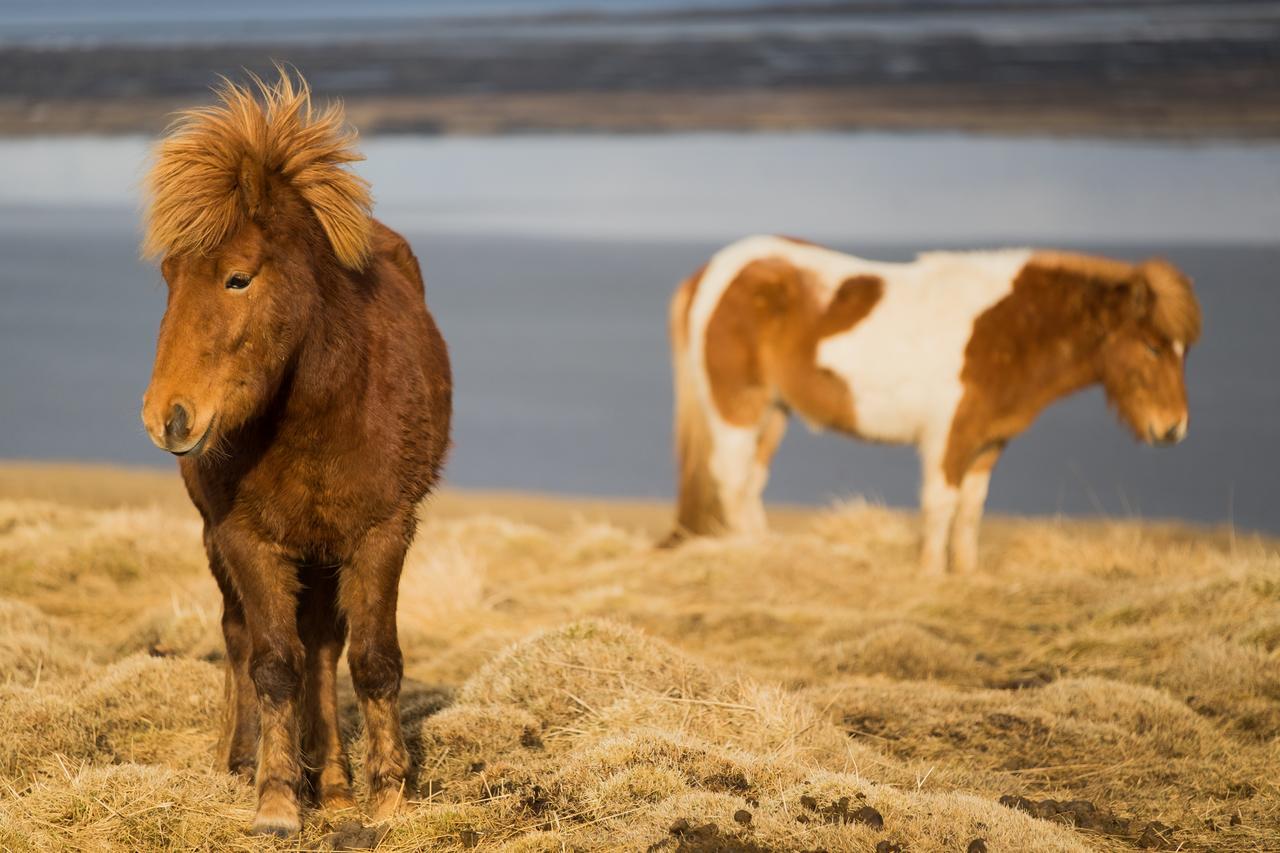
674,539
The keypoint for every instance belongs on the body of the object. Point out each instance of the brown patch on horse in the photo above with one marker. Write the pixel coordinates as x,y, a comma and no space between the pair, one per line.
1070,321
762,341
735,335
307,389
852,303
214,167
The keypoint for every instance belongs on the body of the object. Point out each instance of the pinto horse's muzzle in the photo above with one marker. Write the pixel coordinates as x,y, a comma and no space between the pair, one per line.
1171,435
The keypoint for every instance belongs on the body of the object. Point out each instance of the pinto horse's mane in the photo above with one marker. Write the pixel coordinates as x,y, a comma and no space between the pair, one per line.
214,168
1175,311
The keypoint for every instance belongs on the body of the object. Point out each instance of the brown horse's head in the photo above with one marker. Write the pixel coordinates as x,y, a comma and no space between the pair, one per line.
1155,319
253,208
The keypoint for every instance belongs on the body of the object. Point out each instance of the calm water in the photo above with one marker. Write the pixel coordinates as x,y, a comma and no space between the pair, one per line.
549,262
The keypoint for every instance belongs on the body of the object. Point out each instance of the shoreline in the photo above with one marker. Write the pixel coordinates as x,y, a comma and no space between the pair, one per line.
837,110
99,486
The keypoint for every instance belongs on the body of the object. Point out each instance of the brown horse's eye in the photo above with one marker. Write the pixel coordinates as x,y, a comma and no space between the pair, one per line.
1153,349
238,281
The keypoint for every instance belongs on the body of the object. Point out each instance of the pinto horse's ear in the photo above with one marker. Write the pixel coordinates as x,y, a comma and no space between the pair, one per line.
1175,310
252,185
1134,298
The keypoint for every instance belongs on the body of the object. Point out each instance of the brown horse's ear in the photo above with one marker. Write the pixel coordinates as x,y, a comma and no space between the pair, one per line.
253,185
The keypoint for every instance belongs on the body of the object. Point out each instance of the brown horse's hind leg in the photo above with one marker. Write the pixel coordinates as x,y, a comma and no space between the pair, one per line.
368,592
268,587
238,744
323,631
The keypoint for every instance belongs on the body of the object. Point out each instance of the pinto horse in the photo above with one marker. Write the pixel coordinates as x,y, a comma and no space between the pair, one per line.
956,353
306,388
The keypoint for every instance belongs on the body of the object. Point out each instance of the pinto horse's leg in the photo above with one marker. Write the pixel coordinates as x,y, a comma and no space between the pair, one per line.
740,464
323,631
268,587
773,427
368,590
938,500
973,495
239,740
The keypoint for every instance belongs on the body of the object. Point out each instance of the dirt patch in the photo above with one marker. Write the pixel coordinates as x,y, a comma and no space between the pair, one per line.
1083,814
690,837
842,811
353,835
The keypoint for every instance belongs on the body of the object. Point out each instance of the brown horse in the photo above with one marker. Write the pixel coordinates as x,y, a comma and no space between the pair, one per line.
956,353
307,390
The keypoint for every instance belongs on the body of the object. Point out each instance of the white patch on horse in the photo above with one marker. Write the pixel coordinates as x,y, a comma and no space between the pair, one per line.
903,361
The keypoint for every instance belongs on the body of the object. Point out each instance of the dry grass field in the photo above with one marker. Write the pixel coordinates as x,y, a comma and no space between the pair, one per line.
1100,686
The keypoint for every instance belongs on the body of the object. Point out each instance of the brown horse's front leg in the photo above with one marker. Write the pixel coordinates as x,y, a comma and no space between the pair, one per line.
323,631
268,586
368,591
238,744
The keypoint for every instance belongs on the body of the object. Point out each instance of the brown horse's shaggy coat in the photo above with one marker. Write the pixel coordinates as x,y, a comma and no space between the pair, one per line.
301,378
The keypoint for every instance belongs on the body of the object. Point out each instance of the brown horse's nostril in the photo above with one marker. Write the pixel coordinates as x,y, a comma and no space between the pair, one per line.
178,426
1173,433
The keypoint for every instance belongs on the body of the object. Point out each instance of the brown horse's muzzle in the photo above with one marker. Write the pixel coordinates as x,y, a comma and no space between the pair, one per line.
171,427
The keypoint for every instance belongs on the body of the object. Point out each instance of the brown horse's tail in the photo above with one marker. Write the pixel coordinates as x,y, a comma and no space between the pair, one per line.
698,507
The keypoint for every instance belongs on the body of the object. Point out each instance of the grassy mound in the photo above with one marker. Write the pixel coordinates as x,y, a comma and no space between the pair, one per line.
1096,687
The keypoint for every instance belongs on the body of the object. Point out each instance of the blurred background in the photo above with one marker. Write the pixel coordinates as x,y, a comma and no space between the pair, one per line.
560,166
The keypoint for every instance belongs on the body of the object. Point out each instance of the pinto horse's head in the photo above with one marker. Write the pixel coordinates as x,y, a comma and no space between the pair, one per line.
253,209
1154,319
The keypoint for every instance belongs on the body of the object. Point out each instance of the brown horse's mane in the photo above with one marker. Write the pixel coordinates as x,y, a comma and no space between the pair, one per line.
1175,311
216,165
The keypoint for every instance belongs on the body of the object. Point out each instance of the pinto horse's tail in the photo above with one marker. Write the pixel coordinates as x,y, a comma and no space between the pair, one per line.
698,507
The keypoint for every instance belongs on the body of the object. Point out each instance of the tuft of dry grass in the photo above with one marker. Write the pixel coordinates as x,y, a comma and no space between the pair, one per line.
568,686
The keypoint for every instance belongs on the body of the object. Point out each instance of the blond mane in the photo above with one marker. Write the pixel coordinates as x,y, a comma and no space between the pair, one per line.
215,165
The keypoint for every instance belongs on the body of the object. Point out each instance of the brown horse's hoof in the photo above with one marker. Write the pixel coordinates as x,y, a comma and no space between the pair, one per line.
279,830
245,770
384,804
277,817
337,799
